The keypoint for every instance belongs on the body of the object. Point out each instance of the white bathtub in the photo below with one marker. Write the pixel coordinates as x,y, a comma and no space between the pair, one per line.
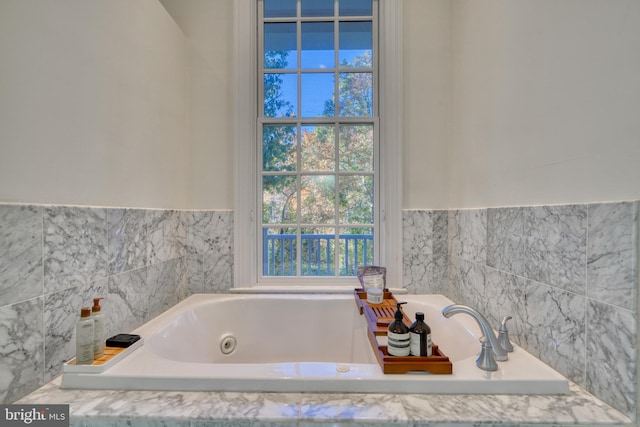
303,343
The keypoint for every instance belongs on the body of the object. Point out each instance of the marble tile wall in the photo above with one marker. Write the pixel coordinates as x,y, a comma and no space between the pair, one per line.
567,274
55,259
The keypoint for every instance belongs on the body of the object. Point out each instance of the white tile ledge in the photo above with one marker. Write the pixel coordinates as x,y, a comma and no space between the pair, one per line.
311,289
89,406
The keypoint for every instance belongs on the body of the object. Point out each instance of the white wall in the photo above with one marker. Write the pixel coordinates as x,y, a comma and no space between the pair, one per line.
208,26
507,102
427,102
545,102
92,104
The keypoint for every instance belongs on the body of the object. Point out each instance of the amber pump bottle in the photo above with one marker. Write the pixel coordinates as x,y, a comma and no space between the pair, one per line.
398,336
420,337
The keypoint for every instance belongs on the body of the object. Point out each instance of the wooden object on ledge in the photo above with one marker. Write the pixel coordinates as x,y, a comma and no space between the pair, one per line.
379,317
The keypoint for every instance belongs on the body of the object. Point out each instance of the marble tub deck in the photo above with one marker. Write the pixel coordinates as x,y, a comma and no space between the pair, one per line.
102,408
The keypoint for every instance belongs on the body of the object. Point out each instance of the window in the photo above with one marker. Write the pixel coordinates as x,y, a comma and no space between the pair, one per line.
316,172
317,141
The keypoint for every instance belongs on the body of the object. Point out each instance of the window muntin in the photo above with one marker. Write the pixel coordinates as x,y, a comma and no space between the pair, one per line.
319,176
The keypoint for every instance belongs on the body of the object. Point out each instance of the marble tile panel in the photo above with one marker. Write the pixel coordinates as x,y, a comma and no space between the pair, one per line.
611,247
556,246
504,296
417,233
127,239
163,281
20,253
440,276
611,356
293,423
506,240
195,273
97,422
467,282
61,313
579,407
554,329
75,246
423,270
129,301
369,423
210,232
425,274
218,272
248,407
167,235
427,410
21,344
355,408
468,234
440,221
182,279
143,406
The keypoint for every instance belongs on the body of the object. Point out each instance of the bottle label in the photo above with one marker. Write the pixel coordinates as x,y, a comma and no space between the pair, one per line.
398,344
84,343
417,347
98,338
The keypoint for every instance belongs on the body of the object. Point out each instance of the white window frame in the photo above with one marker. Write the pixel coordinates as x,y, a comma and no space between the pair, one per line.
245,167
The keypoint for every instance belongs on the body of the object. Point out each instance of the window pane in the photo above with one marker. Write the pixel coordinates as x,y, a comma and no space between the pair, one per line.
355,44
279,252
355,249
318,252
279,199
317,94
318,148
356,199
356,148
317,8
280,46
280,95
317,45
279,147
356,95
355,8
317,205
279,8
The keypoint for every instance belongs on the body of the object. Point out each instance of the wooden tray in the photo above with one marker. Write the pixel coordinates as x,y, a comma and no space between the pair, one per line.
379,317
111,356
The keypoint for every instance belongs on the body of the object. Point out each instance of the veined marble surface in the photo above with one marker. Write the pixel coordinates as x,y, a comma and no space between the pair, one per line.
157,408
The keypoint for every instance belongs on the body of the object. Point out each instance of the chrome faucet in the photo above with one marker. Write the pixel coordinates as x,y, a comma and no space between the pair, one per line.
503,335
492,341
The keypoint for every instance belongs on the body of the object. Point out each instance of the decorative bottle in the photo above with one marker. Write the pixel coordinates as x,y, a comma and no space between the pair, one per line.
98,329
84,338
398,336
420,337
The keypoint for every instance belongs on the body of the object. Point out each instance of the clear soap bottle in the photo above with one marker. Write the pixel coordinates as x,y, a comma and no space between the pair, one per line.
398,336
420,337
84,338
98,329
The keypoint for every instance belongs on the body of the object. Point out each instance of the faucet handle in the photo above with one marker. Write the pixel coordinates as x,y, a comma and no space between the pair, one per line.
486,361
503,335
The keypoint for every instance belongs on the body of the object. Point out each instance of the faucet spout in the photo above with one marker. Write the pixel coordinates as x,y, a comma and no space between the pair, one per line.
450,310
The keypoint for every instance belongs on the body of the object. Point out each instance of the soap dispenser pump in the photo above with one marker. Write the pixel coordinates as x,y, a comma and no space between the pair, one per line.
398,335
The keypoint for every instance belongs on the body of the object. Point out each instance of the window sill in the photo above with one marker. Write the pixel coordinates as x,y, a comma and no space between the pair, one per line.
306,289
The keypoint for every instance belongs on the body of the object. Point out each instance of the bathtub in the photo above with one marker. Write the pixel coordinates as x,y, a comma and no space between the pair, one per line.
303,343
